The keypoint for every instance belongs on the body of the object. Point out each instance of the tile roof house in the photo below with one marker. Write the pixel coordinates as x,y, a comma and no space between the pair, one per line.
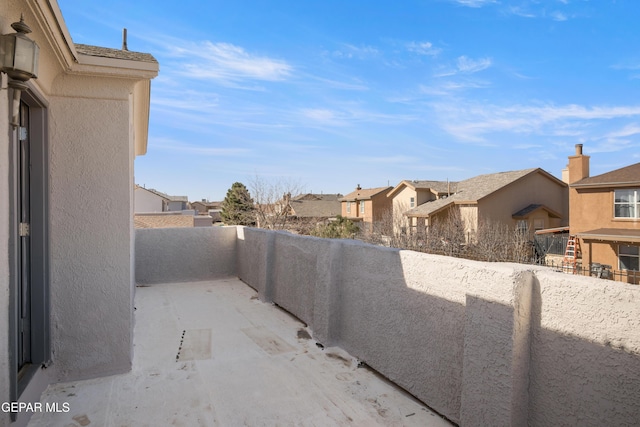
529,198
67,273
604,213
366,206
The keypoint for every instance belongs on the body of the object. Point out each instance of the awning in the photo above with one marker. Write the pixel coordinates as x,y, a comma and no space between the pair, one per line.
611,235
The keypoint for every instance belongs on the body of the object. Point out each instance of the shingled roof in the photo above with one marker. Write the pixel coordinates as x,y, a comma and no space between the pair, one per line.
436,187
105,52
474,189
629,175
364,194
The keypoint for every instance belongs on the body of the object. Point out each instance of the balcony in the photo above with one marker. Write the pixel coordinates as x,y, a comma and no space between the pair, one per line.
210,353
240,325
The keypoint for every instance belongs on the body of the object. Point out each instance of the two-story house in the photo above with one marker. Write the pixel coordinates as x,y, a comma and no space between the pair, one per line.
605,216
529,199
366,206
410,194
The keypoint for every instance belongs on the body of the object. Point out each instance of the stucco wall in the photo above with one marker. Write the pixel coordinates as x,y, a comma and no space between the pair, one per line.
184,254
90,228
585,361
532,189
145,201
482,343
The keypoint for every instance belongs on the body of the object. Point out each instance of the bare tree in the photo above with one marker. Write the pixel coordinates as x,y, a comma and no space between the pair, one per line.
502,242
272,201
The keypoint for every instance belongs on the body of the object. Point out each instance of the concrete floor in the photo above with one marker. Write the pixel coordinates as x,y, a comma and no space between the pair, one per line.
211,354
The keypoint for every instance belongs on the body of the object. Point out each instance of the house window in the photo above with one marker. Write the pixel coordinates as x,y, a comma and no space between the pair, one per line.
522,226
412,202
629,257
361,207
627,203
348,207
538,224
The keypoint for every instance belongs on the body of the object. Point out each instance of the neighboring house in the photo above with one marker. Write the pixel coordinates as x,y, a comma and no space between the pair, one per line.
151,200
604,213
66,259
530,199
204,206
316,206
367,206
410,194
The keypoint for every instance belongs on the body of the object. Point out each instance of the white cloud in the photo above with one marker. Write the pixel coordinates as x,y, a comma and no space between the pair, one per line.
423,48
558,16
474,3
350,51
174,145
475,122
468,65
226,62
628,130
465,65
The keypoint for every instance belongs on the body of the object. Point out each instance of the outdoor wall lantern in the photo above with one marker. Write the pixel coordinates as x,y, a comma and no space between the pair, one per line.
19,60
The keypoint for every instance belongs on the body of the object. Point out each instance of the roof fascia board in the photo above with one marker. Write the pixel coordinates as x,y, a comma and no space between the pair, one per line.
607,185
50,20
116,63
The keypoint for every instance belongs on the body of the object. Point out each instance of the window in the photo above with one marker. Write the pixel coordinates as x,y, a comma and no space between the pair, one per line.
522,226
627,203
629,257
362,207
412,202
348,207
538,224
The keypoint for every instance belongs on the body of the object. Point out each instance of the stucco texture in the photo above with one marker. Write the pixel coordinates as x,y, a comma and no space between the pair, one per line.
90,226
184,254
482,343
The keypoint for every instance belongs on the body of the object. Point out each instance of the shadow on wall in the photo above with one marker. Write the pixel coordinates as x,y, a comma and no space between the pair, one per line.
575,381
466,338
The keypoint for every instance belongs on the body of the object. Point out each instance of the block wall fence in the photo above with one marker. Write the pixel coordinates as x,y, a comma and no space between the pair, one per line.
482,343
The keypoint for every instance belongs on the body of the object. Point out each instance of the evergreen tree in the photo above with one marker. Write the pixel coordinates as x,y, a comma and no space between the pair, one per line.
237,207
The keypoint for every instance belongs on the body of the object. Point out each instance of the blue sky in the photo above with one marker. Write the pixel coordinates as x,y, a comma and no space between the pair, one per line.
330,94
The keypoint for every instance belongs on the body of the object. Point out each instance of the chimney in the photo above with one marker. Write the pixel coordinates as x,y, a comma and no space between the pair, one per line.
124,39
578,167
358,187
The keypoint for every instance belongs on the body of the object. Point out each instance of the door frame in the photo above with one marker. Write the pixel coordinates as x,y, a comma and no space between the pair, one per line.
39,242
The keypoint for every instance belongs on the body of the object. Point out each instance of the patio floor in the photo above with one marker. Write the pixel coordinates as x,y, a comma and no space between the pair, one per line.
211,354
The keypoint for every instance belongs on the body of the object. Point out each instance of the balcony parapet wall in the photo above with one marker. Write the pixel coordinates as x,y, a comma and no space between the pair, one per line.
166,255
482,343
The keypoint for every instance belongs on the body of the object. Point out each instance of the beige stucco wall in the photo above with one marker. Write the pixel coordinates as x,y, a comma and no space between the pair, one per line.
90,230
592,209
532,189
91,131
